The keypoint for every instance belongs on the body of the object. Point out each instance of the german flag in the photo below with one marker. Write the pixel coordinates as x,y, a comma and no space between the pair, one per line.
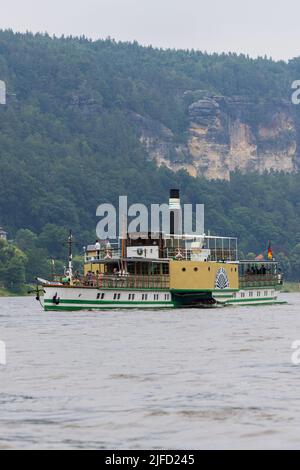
270,252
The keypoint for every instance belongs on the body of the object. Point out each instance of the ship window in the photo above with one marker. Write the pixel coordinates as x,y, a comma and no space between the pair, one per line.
258,293
166,269
250,294
183,270
209,268
196,270
98,296
266,293
243,295
115,296
133,296
129,297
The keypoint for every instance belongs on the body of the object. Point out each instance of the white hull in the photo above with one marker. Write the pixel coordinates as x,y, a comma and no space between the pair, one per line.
248,297
70,298
78,298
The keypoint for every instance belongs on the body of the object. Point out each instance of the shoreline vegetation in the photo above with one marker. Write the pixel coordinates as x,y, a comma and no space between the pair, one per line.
290,287
6,293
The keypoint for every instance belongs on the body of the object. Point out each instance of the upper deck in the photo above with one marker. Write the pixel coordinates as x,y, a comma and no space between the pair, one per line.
161,248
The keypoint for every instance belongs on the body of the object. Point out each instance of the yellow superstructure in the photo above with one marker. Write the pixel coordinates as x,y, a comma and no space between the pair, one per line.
193,275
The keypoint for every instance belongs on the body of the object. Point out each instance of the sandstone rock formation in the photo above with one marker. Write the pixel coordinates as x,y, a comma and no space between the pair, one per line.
225,134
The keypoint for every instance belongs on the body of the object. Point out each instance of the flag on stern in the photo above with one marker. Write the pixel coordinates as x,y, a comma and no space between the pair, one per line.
270,252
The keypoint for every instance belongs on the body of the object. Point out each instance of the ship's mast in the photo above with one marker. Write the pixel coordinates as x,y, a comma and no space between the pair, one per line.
70,245
123,254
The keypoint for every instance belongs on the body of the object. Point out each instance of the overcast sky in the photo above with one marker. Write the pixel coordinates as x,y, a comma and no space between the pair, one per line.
255,27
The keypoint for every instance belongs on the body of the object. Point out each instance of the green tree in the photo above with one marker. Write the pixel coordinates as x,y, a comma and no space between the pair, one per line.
12,267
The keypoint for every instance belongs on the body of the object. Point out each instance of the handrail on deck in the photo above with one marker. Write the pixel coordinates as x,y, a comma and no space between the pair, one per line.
258,280
170,254
126,281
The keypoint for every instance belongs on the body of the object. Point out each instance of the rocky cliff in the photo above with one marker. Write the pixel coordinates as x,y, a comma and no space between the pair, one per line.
225,134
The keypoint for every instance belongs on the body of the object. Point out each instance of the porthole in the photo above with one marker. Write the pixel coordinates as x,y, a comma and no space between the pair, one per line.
196,270
183,270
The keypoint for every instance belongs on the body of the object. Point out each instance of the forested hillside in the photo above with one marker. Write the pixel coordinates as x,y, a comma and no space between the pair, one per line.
68,142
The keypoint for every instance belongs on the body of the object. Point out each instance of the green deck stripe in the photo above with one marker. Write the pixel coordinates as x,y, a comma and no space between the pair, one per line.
262,299
74,308
258,288
204,290
109,302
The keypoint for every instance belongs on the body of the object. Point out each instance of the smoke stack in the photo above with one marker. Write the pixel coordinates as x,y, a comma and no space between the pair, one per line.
175,212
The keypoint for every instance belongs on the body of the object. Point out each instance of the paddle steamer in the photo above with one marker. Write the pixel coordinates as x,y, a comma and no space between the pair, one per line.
155,271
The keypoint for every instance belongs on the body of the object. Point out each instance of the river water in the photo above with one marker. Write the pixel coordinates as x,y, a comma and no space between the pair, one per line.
194,379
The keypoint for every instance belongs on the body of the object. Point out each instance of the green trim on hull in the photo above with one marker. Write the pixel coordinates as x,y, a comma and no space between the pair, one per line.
204,290
267,299
107,302
259,288
103,308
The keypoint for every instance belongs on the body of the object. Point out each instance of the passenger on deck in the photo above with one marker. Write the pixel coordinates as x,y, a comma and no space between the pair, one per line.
97,248
66,280
100,277
90,278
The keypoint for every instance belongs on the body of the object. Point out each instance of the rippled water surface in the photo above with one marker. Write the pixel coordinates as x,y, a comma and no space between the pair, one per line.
196,379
